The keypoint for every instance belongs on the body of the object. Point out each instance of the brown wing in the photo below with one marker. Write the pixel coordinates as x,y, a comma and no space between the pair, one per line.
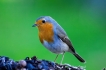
63,36
68,42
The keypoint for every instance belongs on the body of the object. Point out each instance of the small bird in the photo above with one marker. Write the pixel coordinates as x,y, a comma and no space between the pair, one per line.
54,38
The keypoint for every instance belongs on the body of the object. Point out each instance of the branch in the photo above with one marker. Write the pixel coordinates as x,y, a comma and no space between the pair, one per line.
33,64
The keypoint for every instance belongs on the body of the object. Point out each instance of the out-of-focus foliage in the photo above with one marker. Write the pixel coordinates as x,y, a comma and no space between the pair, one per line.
83,20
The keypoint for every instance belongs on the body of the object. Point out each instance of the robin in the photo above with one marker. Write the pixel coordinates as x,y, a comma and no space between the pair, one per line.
54,37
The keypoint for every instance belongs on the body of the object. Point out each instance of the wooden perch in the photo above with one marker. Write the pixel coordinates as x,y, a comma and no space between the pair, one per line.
33,64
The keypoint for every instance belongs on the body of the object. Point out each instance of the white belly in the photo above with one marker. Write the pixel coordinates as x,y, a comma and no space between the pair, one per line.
56,47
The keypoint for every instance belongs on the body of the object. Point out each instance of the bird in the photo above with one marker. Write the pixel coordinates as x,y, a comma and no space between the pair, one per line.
54,38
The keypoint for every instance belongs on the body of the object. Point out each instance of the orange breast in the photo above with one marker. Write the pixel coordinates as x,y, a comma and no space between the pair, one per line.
46,32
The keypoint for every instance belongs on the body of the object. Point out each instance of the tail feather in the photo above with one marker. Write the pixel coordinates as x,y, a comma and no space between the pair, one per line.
79,57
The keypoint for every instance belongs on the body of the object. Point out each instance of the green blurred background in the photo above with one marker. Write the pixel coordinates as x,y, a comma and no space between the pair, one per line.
83,20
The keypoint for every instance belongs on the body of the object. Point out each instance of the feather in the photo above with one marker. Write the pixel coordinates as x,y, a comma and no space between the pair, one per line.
63,36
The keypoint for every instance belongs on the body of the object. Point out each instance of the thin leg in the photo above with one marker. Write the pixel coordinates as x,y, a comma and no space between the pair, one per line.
62,58
56,57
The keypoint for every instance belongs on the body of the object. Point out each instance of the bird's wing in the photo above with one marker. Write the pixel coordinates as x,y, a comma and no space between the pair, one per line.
63,36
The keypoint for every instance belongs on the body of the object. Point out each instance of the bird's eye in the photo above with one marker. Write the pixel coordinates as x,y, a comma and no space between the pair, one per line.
43,21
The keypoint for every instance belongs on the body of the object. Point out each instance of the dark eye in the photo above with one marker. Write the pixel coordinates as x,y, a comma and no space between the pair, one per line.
43,21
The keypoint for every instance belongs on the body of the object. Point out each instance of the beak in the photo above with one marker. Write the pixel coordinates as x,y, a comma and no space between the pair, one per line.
34,25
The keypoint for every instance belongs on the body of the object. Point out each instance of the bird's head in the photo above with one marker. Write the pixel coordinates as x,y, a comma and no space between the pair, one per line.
44,22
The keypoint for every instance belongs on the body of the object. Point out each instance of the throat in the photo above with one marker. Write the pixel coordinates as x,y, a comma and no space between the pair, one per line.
46,34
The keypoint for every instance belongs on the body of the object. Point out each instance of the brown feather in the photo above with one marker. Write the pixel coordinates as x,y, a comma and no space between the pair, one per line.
68,42
45,31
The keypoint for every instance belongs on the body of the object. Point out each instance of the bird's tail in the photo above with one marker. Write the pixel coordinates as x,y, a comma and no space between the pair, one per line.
79,57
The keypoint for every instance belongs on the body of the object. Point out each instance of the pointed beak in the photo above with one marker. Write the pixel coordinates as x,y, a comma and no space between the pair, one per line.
34,25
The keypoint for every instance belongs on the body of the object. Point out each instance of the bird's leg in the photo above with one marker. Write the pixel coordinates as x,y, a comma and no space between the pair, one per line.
62,58
56,57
